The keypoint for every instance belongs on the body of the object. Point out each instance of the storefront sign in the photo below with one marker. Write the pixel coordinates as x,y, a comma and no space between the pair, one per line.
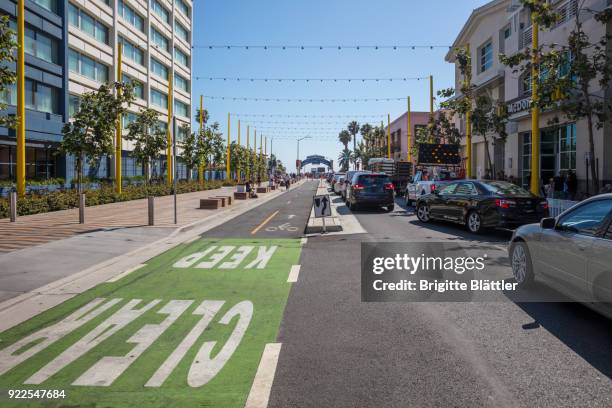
519,105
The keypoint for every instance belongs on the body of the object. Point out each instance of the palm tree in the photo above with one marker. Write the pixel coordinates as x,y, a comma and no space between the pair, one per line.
366,133
344,159
345,138
353,128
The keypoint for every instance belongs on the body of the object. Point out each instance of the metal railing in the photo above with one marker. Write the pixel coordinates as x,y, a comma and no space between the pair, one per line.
557,206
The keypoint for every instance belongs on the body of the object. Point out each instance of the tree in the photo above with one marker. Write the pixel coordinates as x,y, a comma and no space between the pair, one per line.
345,138
90,135
568,73
8,46
366,133
189,150
344,159
205,117
353,128
149,139
489,118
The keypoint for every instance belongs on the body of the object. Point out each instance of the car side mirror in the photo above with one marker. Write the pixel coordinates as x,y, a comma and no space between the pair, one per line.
548,223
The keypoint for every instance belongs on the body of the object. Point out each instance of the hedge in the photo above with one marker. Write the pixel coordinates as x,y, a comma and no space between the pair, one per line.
63,200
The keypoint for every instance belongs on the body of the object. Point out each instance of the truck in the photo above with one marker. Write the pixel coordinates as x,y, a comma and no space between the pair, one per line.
437,164
400,172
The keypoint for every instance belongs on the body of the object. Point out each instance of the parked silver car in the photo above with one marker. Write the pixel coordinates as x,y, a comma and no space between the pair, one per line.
571,253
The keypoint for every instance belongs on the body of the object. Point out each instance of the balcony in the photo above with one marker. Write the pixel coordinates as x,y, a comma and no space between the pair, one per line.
526,37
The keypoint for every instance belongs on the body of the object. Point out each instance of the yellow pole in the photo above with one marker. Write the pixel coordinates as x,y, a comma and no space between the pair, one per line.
118,131
227,161
248,170
409,132
170,172
431,99
238,169
266,146
21,117
202,164
388,136
255,150
468,127
380,142
535,110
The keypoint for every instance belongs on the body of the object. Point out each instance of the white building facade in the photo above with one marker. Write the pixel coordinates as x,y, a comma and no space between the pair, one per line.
156,37
504,27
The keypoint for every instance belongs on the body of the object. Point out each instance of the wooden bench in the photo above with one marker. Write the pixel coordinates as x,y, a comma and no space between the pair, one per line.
262,190
210,203
227,200
241,195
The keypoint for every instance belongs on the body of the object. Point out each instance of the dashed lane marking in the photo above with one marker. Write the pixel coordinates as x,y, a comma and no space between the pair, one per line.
293,274
126,273
267,220
260,391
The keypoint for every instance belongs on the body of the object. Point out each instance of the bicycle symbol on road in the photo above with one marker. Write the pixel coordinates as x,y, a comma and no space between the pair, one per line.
283,227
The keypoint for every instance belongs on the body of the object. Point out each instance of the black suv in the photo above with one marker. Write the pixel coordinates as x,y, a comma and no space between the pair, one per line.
371,189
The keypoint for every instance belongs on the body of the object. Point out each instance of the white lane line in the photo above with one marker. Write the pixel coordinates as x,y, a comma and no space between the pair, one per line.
262,384
289,202
125,273
294,273
189,241
303,241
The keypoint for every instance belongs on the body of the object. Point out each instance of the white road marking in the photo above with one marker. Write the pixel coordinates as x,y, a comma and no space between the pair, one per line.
291,216
303,241
294,273
189,241
125,273
262,384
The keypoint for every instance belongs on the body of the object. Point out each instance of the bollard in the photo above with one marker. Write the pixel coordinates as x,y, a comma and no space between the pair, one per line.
82,208
151,211
13,205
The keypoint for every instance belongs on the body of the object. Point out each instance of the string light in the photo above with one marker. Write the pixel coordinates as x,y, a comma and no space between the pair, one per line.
304,100
321,47
282,115
308,80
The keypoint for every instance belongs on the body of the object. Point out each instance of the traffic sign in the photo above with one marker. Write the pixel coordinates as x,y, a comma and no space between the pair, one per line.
322,206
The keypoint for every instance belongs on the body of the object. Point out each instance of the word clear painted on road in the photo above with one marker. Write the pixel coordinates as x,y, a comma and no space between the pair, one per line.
322,206
187,329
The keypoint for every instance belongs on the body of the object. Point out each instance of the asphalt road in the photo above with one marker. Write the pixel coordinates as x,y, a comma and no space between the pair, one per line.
282,217
338,351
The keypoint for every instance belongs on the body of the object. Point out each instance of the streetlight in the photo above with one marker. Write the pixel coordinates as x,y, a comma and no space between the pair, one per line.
298,152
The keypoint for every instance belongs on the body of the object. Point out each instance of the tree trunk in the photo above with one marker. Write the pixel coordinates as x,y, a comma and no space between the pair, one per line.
488,156
80,173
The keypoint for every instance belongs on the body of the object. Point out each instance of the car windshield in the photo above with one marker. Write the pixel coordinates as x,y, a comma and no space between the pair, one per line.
505,189
372,179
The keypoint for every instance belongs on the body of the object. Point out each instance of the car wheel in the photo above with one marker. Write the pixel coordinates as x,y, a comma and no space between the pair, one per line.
423,213
474,222
390,208
522,268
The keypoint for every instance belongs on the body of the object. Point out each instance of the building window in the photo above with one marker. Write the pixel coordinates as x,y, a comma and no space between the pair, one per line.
485,54
159,99
87,24
74,102
128,118
181,109
182,6
160,10
181,83
88,67
183,132
132,52
181,57
567,148
181,32
507,32
41,163
50,5
138,86
41,46
525,85
159,69
158,39
39,97
130,15
567,12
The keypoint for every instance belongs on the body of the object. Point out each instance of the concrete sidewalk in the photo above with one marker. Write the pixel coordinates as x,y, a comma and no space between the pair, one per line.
38,229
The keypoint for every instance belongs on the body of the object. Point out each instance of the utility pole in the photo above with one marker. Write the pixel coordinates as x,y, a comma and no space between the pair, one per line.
202,164
118,130
248,167
227,158
388,136
535,109
431,99
238,169
170,135
409,133
21,114
468,123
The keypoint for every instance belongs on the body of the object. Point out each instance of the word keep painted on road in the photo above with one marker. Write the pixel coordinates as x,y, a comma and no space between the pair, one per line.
105,371
211,257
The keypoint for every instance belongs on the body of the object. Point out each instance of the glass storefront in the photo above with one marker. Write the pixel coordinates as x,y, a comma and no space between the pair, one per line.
41,163
557,153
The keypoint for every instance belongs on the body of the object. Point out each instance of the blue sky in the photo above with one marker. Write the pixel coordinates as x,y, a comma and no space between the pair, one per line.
319,22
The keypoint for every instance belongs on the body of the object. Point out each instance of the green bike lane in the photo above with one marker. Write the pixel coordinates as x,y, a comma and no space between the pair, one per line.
186,329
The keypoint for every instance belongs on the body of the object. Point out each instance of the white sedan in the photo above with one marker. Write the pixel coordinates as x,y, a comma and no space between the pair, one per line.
340,185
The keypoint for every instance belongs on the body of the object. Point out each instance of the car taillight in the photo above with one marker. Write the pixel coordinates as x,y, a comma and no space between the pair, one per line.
501,203
358,187
433,188
389,186
544,204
